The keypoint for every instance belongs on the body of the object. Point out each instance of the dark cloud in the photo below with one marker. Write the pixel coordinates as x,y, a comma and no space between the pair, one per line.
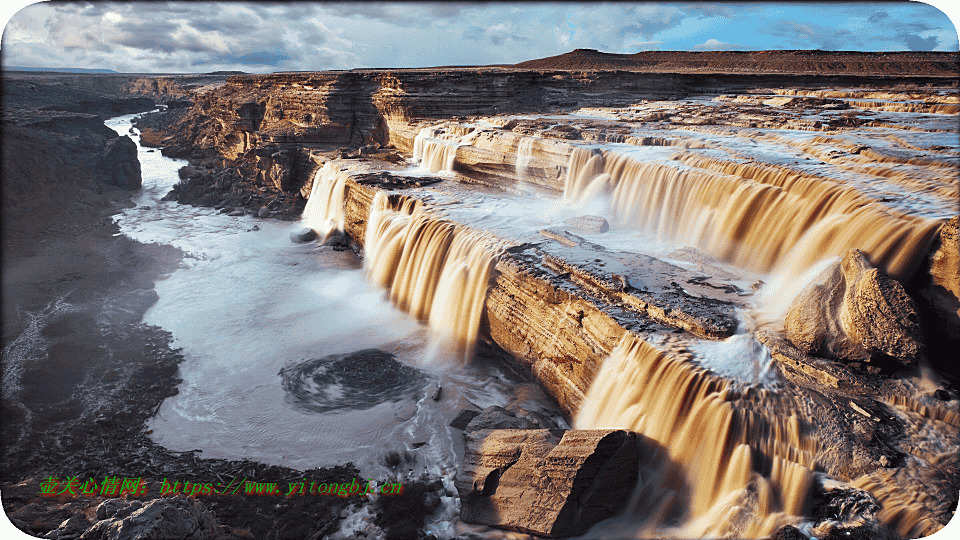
917,43
878,16
651,24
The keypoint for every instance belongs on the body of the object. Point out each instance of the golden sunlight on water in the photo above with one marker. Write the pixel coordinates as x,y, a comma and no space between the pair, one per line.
744,469
433,269
763,218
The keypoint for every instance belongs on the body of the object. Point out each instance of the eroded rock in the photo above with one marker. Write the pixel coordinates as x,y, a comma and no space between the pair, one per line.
548,482
942,294
854,312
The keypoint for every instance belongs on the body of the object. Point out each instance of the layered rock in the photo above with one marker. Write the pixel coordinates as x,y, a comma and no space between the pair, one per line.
546,482
854,312
942,292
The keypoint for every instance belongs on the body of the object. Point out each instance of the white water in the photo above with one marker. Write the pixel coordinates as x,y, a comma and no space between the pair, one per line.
247,302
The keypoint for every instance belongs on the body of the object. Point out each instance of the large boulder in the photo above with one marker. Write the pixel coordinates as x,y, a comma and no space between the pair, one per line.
854,312
547,482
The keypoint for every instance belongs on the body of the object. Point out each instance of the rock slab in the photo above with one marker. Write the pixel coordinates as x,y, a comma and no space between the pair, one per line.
854,312
547,482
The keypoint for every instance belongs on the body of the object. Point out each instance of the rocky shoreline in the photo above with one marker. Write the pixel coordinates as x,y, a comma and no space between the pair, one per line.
74,292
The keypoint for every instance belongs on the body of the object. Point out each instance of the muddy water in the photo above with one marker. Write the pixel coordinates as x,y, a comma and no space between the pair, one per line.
269,329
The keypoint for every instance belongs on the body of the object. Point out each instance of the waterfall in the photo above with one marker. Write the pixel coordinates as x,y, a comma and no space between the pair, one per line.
766,219
324,210
524,156
436,147
434,269
728,455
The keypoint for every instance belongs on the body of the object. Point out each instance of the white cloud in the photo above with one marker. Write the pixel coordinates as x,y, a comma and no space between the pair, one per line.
714,45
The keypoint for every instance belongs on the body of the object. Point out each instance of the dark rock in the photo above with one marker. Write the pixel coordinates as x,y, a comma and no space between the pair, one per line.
117,508
546,482
177,517
788,532
436,393
494,417
305,234
464,418
264,212
855,312
71,528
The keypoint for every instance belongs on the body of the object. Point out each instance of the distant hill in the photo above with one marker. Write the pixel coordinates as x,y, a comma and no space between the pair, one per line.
940,64
57,70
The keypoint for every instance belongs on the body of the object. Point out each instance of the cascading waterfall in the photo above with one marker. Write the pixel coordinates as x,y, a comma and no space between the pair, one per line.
324,210
436,147
433,269
722,462
524,156
765,219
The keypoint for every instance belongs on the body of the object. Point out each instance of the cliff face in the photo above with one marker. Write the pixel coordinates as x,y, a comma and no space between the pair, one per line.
57,151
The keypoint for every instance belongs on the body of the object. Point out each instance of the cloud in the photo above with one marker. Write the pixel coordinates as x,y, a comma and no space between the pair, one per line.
814,36
715,45
917,43
878,16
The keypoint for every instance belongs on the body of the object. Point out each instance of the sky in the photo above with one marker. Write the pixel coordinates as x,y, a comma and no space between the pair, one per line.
264,37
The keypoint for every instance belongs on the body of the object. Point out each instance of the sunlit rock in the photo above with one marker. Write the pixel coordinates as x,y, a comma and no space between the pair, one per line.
854,312
546,482
942,295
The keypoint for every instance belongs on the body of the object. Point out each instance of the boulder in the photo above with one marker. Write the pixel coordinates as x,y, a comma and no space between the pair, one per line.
854,312
495,417
547,482
172,518
303,235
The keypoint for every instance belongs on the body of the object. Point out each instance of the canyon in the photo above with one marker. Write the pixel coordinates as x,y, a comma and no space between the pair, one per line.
744,272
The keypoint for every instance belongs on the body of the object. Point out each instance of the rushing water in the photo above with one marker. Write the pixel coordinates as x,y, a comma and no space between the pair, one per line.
269,329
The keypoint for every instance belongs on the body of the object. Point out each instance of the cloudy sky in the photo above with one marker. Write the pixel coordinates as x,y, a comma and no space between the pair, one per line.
261,37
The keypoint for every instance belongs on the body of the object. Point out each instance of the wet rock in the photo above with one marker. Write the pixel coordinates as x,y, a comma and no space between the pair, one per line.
264,212
788,532
305,234
179,517
854,312
464,418
589,224
546,482
495,417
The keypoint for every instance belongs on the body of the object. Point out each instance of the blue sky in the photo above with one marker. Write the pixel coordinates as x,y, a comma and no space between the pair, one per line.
264,37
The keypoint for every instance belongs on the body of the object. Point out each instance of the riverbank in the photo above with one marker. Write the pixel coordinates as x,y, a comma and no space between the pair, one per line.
82,374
